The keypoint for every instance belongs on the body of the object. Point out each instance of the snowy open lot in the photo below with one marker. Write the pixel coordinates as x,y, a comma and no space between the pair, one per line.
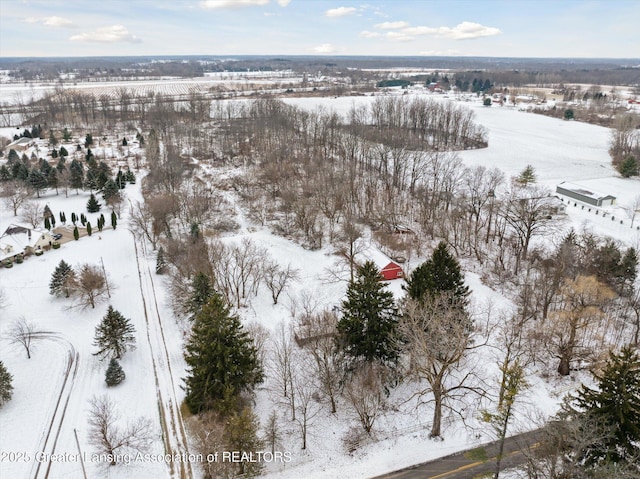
558,150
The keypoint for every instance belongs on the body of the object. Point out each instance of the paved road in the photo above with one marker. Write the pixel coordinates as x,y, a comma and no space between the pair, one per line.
461,466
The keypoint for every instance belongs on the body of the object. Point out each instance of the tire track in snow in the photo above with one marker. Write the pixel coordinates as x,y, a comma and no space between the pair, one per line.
51,433
173,430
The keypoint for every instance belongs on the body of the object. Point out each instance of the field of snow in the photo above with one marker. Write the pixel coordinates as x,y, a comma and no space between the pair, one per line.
558,150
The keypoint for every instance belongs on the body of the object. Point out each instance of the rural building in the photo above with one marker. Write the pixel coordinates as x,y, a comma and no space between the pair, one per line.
389,269
22,241
585,195
21,144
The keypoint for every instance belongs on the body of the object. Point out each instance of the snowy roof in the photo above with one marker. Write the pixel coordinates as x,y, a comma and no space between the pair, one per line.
368,252
16,238
20,142
581,190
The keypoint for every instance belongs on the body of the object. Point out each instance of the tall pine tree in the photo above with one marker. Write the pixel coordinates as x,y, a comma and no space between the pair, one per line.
114,335
62,280
367,328
221,356
614,406
92,205
201,292
439,274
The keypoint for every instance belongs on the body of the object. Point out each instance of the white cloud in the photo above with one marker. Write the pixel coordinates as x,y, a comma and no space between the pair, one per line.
441,53
367,34
216,4
340,11
399,37
51,21
419,31
284,3
112,34
467,30
324,48
391,25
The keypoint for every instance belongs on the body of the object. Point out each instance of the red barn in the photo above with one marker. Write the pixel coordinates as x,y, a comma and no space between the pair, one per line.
389,269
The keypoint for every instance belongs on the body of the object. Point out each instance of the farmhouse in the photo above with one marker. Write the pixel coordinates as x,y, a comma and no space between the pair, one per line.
389,269
19,241
585,195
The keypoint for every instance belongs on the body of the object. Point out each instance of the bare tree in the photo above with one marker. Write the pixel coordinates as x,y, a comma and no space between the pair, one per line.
23,333
364,389
527,212
317,332
207,430
32,213
14,194
306,405
282,367
577,325
109,438
437,337
90,284
277,278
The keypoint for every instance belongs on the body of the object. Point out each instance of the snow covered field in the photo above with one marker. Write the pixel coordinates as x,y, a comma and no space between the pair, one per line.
558,150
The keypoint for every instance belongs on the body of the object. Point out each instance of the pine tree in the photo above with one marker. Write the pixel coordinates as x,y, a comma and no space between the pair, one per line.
114,335
76,171
161,263
201,292
74,218
221,357
6,388
66,135
110,191
37,181
367,329
61,280
53,141
629,167
114,220
241,434
115,374
615,406
92,205
89,229
527,176
76,233
47,224
439,274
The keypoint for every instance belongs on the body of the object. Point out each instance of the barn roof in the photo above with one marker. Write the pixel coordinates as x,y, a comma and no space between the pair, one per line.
368,252
581,190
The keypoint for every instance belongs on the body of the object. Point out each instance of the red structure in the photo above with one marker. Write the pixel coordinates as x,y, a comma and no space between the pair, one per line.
391,271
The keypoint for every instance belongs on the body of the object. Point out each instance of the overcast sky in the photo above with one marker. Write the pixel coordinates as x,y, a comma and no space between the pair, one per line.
518,28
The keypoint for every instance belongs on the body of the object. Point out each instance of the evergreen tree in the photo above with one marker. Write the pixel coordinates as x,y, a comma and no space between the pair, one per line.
53,141
74,218
47,224
221,357
114,220
614,406
629,167
367,329
115,374
76,233
120,180
5,174
63,152
83,219
61,280
161,263
76,179
89,229
439,274
88,140
54,154
130,177
201,292
92,205
124,142
110,191
37,181
527,176
6,388
13,157
114,335
66,135
241,434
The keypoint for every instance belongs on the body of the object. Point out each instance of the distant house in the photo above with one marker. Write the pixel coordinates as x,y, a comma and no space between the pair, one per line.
19,240
389,269
21,144
585,195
